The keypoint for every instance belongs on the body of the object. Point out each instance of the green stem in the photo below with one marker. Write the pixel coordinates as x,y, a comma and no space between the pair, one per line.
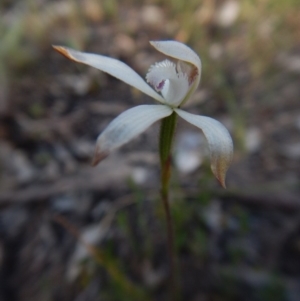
167,131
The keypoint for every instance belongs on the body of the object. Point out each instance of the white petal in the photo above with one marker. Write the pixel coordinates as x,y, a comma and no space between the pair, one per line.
159,72
184,53
178,51
219,142
126,126
164,77
111,66
175,90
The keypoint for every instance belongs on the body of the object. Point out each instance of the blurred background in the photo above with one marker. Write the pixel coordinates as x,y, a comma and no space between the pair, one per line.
72,232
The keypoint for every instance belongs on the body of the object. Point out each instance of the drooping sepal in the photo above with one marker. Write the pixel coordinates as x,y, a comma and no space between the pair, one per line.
219,142
127,126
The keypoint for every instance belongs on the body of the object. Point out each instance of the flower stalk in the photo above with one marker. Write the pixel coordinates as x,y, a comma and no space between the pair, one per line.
166,138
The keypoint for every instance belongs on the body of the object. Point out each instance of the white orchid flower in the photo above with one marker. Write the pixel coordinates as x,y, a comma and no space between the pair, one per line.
173,85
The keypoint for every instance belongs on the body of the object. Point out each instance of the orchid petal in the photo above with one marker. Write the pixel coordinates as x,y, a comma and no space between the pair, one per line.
184,53
178,51
165,79
111,66
219,142
126,126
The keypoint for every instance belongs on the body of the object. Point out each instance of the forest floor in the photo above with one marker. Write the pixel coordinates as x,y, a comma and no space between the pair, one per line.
69,231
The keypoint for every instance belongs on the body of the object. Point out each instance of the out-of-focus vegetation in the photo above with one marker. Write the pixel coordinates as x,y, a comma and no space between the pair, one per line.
250,54
250,33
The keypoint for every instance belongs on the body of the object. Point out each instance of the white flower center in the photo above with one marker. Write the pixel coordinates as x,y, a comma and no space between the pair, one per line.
171,83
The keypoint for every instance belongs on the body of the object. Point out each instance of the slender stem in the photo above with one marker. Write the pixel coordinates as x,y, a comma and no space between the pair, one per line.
166,139
170,240
167,131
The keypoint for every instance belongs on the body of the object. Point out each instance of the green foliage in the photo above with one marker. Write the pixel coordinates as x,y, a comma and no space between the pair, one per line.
274,290
110,8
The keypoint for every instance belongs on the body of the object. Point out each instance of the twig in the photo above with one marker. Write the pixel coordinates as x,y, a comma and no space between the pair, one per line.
101,258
